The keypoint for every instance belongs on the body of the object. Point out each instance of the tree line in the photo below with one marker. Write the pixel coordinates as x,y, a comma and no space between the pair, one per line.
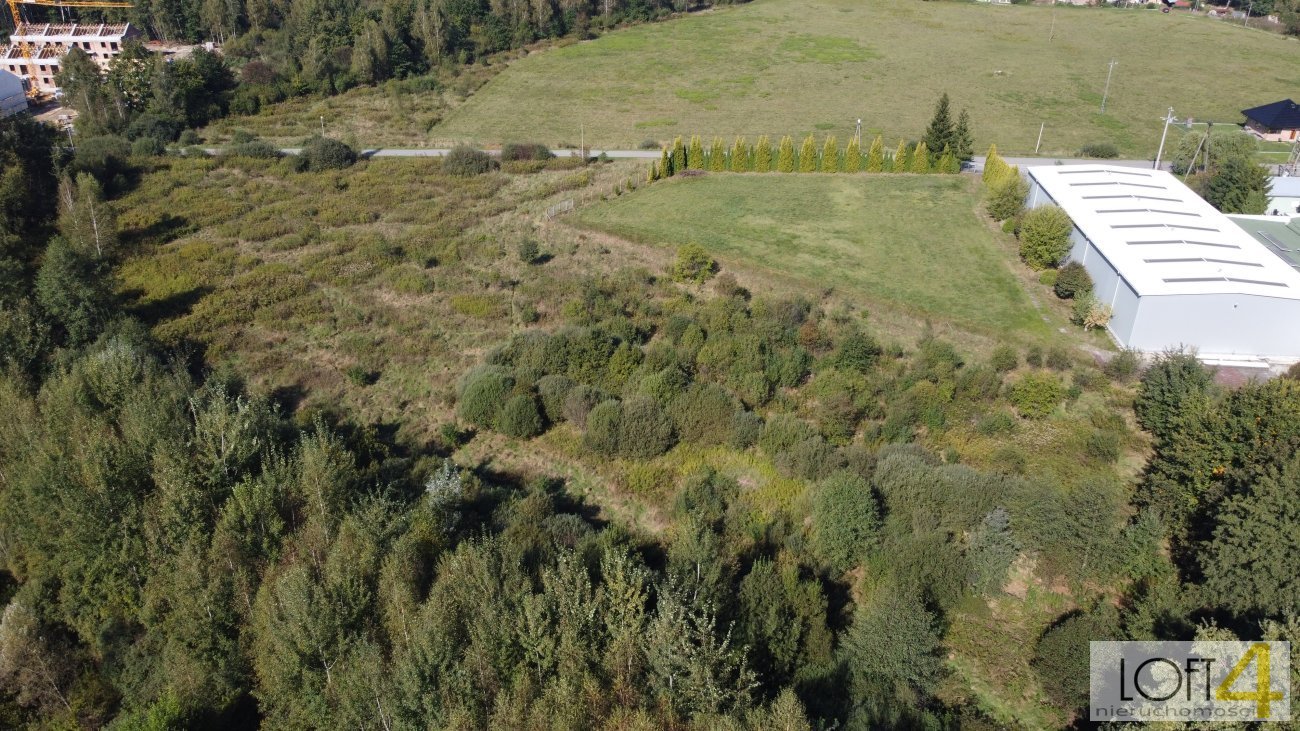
946,146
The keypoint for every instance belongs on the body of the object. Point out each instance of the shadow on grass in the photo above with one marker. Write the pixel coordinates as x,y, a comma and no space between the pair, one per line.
172,306
165,229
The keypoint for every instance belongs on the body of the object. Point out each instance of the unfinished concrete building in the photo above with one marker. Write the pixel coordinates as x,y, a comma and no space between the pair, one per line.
48,42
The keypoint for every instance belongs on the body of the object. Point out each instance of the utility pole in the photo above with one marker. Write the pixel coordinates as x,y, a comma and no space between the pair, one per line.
859,132
1110,69
1246,21
1040,137
1168,118
1052,33
322,125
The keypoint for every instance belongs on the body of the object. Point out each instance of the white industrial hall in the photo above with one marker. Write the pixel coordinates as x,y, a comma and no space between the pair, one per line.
1177,272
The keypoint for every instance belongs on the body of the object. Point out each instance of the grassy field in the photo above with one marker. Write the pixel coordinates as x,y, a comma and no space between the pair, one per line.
794,66
914,243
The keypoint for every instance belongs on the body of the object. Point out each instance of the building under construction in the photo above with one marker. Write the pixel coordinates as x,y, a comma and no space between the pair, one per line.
46,44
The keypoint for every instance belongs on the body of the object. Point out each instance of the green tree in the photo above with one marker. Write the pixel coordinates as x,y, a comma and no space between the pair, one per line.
75,288
740,156
963,146
694,665
85,220
81,83
992,549
1061,656
830,155
808,155
520,417
763,155
846,520
785,157
718,156
899,162
695,155
1006,198
853,156
920,162
940,133
483,391
894,639
948,164
1238,185
1174,383
1248,563
782,621
1045,236
693,264
876,156
679,157
995,168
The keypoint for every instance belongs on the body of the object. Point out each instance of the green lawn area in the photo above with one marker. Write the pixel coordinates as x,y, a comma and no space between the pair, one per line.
781,67
914,243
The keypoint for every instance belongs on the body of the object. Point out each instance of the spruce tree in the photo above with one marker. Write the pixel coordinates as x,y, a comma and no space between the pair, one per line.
739,156
695,156
852,157
876,156
808,155
898,163
963,147
679,157
920,162
940,132
763,155
718,156
831,155
785,159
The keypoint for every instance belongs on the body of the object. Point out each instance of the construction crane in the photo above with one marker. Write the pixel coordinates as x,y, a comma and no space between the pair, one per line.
25,47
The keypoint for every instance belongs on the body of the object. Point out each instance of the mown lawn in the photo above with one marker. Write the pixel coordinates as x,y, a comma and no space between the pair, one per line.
796,66
913,243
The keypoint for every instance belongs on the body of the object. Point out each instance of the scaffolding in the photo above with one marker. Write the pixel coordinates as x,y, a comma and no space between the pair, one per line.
28,50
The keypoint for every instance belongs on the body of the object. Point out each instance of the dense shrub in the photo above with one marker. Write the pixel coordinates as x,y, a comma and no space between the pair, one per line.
1124,365
782,432
1175,381
645,431
528,251
703,414
1103,150
603,424
466,162
1061,656
858,352
520,418
1006,199
1058,359
992,549
693,264
579,402
1103,445
483,392
163,129
1004,359
1036,395
1072,280
1045,236
846,520
1088,312
554,391
512,151
810,459
148,147
323,153
665,385
253,148
746,426
103,157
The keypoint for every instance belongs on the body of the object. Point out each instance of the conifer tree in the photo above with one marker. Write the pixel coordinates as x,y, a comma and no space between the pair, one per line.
785,160
920,162
898,163
763,155
739,156
948,164
808,155
831,155
718,156
995,168
876,156
852,156
665,164
963,146
679,157
695,156
653,175
940,133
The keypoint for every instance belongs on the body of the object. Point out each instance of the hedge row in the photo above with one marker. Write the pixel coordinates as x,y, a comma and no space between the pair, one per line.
762,157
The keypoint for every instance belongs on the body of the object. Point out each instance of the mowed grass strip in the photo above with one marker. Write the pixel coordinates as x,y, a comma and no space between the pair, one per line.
795,66
910,242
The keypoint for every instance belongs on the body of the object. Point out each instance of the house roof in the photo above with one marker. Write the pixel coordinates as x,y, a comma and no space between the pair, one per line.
1162,237
1278,115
